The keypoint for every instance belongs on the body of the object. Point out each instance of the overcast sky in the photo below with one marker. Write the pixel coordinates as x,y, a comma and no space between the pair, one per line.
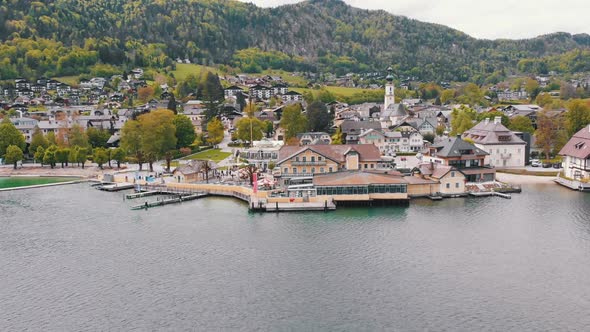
484,19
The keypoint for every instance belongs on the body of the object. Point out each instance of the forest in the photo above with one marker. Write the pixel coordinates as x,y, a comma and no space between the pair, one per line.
99,37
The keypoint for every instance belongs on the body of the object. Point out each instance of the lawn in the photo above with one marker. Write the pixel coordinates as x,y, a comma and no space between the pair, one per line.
69,80
337,90
288,77
215,155
185,69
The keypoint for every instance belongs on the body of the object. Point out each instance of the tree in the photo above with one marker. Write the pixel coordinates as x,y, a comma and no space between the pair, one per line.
49,158
472,95
567,91
119,156
158,135
269,128
185,131
37,140
13,155
77,136
319,119
462,119
241,101
447,96
131,138
172,104
212,93
98,138
578,116
440,130
81,155
549,133
521,123
249,125
145,94
100,156
62,156
532,88
293,121
51,138
544,99
214,131
338,137
9,135
39,153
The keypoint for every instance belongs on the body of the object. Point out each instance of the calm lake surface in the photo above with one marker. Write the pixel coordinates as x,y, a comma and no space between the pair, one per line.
23,181
73,258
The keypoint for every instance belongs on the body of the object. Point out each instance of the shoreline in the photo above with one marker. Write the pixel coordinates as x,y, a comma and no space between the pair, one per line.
45,185
524,179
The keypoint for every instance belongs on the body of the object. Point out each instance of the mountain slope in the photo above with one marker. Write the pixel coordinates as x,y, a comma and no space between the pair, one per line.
316,34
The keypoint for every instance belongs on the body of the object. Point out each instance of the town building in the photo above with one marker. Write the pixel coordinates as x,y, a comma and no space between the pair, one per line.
504,147
576,156
464,156
263,154
314,138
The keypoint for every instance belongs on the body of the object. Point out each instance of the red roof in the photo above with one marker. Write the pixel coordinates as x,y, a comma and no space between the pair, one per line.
579,145
366,152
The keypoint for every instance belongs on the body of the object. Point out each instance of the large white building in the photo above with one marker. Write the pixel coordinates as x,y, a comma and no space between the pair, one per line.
576,156
504,147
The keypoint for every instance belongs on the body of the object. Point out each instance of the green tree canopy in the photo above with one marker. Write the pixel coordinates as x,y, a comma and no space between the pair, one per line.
185,131
9,135
521,123
249,125
119,156
319,119
158,135
578,116
293,121
462,119
97,137
131,141
37,140
100,156
13,155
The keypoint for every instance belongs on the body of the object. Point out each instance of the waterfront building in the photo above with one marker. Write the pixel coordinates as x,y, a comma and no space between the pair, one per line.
504,147
390,142
450,180
466,157
308,160
576,156
361,186
263,153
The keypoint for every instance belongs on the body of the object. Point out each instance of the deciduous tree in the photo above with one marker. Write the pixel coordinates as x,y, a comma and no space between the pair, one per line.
319,119
293,121
578,116
185,131
9,135
214,131
37,140
13,155
521,123
100,156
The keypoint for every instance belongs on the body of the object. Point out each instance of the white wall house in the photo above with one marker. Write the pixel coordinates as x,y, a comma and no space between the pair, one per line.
576,156
505,149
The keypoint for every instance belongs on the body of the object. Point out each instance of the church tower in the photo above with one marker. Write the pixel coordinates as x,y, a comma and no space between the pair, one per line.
389,89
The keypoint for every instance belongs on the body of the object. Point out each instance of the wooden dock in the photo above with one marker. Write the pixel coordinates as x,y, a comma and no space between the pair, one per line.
261,206
490,193
142,194
115,187
174,200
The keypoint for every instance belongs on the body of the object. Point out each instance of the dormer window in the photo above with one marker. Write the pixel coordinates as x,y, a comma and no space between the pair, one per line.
579,145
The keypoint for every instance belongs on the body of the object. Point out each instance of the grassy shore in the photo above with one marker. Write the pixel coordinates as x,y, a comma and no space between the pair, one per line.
215,155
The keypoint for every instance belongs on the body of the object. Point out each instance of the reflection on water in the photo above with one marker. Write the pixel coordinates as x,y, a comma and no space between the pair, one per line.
74,258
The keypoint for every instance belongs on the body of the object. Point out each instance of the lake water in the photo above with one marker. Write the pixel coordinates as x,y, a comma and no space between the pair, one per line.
23,181
76,259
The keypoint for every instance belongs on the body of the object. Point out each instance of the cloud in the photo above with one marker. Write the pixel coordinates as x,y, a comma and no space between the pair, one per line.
484,19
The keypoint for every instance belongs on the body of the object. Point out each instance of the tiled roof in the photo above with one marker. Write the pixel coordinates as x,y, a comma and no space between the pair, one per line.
489,133
337,153
579,145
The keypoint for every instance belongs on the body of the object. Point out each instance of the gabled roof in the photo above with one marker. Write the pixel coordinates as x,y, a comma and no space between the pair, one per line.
336,153
490,133
349,125
234,87
579,145
453,146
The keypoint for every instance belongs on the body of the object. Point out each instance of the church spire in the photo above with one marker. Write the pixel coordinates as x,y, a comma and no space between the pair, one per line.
389,89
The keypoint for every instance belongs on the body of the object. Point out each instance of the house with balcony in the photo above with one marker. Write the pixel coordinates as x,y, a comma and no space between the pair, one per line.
391,142
505,149
263,154
232,91
462,155
309,160
576,161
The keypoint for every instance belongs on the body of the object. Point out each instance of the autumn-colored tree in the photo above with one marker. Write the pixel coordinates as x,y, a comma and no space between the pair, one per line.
544,99
49,158
158,136
131,138
37,140
338,137
550,133
214,131
462,119
145,94
249,129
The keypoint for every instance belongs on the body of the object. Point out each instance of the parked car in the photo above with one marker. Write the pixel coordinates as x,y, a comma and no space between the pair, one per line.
547,164
557,165
536,163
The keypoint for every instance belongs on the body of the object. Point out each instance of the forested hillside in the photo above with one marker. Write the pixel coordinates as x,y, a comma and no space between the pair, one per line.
66,37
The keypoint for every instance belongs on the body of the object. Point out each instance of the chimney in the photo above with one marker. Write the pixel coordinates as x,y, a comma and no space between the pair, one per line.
498,120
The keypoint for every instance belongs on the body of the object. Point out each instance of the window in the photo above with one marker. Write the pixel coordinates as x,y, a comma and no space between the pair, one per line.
312,158
319,158
372,165
452,174
304,159
294,170
448,185
330,169
457,185
322,170
313,170
296,158
366,166
286,170
304,170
